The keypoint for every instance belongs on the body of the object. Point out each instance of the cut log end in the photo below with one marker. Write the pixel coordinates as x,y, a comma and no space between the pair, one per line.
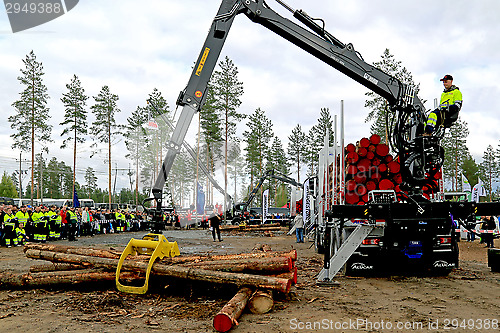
222,322
261,302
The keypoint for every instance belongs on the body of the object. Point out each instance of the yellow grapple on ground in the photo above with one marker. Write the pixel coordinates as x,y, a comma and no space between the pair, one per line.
155,245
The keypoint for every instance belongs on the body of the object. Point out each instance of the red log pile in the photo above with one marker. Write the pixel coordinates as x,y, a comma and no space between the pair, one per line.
370,166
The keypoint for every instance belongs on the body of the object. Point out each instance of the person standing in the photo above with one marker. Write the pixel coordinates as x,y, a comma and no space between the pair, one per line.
449,107
299,228
489,226
215,225
36,217
72,224
52,215
9,227
22,218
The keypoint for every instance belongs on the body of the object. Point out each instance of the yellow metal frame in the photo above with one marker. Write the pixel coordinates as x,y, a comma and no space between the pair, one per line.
155,245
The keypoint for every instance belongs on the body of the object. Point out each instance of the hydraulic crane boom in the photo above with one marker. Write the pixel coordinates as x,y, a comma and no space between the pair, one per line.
191,152
418,155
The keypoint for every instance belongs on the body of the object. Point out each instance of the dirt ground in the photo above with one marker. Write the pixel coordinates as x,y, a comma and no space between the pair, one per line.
468,300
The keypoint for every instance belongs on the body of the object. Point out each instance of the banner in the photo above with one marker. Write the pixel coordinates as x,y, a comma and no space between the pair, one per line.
478,191
482,190
306,202
465,184
265,205
200,200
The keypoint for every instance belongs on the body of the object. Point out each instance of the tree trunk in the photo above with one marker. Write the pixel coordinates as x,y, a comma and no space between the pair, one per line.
255,265
72,250
61,277
260,228
181,259
227,317
292,275
256,226
261,302
265,282
53,267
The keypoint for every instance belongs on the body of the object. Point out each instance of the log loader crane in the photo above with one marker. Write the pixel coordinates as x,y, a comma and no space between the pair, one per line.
239,209
421,157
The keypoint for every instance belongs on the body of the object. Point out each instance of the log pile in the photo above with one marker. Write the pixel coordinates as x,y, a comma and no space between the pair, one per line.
258,274
370,166
252,227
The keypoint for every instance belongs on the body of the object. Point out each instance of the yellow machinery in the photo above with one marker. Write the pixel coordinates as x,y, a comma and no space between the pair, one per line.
155,245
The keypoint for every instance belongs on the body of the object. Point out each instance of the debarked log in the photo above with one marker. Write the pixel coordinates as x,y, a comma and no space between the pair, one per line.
72,249
250,226
60,277
181,259
189,273
270,265
228,316
255,229
53,267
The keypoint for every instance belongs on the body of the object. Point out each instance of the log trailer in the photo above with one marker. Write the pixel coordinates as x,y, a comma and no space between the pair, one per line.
421,157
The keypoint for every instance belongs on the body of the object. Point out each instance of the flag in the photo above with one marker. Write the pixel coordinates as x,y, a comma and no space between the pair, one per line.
482,191
265,205
478,191
465,184
76,202
200,200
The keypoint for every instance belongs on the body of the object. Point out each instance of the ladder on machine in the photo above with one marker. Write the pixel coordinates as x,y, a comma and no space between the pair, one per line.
334,264
338,260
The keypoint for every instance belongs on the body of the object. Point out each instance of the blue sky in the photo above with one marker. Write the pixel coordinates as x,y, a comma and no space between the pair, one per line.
135,46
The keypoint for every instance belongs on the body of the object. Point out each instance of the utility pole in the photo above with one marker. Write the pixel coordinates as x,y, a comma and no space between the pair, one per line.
21,171
116,173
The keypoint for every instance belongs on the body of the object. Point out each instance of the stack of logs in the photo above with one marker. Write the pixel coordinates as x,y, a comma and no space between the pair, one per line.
253,227
369,166
258,273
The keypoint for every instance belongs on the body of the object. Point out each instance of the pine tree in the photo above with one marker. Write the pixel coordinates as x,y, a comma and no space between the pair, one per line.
75,117
455,151
160,113
135,139
470,169
316,138
257,138
90,181
296,147
227,92
31,120
211,137
376,103
7,187
277,161
105,129
488,169
310,152
236,166
54,179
